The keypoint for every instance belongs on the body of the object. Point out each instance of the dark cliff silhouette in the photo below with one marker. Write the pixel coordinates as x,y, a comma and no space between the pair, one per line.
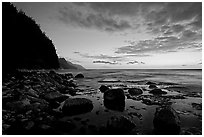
24,45
64,64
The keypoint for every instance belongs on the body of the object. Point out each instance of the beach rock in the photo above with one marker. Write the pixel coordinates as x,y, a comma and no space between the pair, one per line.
157,92
114,95
68,90
150,83
55,96
52,72
74,106
152,86
166,121
191,131
69,75
18,106
103,88
197,106
32,93
114,105
119,125
135,91
80,75
114,99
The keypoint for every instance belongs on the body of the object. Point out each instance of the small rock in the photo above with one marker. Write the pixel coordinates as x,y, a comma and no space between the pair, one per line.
197,106
152,86
135,91
32,93
69,75
52,72
29,125
103,88
80,75
157,92
150,83
191,131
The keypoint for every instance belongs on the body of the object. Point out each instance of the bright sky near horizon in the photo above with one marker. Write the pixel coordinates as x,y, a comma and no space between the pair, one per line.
123,35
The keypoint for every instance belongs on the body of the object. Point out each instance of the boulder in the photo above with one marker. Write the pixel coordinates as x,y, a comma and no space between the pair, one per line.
157,91
55,96
114,99
197,106
150,83
135,91
80,75
119,125
114,95
152,86
113,105
166,121
103,88
52,72
74,106
69,75
68,90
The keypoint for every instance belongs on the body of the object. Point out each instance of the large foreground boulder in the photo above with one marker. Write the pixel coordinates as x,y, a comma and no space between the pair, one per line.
114,95
119,125
114,99
166,121
135,91
74,106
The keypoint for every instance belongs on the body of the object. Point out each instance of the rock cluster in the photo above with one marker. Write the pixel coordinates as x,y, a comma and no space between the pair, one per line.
30,99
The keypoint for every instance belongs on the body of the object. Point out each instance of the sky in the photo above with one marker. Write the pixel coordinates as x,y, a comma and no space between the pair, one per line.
120,35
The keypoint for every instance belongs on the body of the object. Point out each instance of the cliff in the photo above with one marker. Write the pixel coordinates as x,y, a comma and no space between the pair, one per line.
64,64
24,45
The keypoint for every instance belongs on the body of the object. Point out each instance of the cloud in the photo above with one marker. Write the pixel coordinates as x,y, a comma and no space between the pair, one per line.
121,16
171,13
93,20
135,62
101,56
105,62
164,43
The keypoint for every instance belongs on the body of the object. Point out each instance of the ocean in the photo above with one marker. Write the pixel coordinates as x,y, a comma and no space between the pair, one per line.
176,82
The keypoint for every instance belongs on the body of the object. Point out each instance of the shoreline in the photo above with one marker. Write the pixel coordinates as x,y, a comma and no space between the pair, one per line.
33,102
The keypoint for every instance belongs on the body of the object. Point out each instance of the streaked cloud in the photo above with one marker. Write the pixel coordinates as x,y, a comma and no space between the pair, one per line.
101,56
135,62
105,62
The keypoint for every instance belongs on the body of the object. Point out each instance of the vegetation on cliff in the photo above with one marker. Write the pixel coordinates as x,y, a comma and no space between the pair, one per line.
24,45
